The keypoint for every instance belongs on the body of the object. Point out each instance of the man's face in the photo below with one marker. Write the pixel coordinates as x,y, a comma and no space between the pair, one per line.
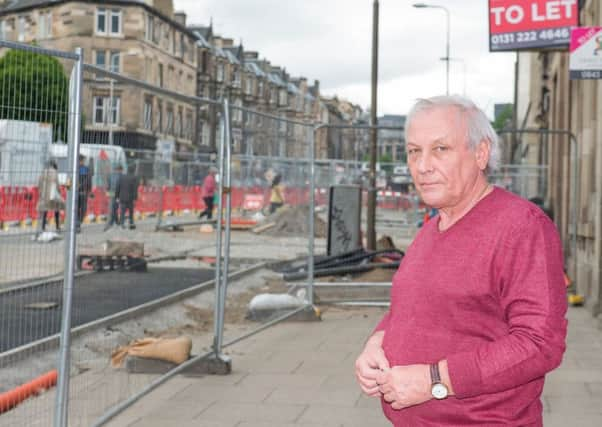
444,169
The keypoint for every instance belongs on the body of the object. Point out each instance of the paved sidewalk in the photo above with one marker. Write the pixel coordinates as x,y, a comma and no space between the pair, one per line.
301,374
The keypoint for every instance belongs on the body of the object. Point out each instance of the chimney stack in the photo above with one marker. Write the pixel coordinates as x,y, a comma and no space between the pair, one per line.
180,18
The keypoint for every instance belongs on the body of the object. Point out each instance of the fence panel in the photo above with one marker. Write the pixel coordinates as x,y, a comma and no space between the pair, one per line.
270,194
34,123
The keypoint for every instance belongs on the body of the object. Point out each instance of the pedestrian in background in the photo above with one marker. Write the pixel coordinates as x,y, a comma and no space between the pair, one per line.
126,194
276,194
49,195
209,193
84,187
112,181
478,304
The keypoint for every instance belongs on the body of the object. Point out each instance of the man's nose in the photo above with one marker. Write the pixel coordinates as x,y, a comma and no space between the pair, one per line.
424,163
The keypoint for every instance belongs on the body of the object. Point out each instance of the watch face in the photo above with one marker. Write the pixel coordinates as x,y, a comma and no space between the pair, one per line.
439,391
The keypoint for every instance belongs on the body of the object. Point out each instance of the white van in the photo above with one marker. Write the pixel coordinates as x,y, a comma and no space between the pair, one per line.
101,159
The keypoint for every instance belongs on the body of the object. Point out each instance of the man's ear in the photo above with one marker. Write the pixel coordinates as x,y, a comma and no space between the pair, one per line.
482,153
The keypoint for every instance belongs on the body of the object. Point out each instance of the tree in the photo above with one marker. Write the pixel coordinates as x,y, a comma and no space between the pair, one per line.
34,87
502,120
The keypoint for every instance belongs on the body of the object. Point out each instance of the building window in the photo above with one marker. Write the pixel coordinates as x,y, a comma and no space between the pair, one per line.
169,127
236,78
159,116
99,114
115,21
188,130
179,123
103,113
115,110
283,97
150,28
44,25
21,29
108,21
160,76
182,45
204,59
2,30
248,86
157,32
101,59
191,52
101,20
114,65
148,113
220,73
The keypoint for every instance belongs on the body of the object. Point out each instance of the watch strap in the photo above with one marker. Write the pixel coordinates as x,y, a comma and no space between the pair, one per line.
435,375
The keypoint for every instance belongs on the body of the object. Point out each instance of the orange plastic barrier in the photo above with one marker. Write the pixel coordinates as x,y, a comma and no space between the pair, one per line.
14,203
149,200
13,397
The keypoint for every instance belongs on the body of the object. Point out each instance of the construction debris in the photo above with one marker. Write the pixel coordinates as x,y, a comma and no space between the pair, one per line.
349,263
174,350
116,254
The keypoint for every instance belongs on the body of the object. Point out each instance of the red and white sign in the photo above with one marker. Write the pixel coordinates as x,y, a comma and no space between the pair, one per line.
531,24
586,53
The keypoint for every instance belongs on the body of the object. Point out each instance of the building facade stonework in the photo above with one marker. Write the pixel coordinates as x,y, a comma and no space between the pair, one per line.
149,41
548,100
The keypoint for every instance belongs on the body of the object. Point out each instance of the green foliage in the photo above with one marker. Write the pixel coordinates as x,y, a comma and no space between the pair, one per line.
503,118
34,87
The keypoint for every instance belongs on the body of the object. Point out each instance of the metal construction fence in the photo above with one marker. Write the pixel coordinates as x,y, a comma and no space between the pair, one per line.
119,270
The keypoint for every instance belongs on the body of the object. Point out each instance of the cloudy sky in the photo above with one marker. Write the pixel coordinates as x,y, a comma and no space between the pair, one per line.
330,40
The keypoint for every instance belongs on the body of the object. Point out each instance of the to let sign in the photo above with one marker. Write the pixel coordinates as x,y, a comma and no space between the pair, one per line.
531,24
586,53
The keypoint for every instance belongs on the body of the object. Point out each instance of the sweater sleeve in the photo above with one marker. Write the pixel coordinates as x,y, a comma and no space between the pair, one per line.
382,325
528,272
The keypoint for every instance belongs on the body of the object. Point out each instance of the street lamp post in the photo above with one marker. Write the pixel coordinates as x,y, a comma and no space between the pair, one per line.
463,62
435,6
371,214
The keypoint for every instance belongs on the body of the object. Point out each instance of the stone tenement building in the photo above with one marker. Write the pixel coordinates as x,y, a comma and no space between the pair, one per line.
548,100
148,41
143,40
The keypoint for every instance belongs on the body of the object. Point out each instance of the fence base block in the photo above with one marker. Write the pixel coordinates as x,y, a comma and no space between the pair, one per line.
212,365
209,365
310,314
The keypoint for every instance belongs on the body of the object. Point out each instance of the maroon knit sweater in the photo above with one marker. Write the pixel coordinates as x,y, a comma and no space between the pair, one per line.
488,295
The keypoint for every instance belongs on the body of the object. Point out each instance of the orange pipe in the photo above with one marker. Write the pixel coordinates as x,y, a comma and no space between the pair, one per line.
12,398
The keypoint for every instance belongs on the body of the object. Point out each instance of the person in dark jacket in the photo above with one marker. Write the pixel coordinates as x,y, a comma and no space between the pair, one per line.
111,188
126,194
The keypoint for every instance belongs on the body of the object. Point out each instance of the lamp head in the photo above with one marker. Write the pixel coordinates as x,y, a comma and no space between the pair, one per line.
420,5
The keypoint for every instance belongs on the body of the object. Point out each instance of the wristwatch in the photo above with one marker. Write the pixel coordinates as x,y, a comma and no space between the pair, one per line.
438,390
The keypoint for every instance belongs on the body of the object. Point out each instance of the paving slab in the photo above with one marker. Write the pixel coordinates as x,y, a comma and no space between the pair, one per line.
301,374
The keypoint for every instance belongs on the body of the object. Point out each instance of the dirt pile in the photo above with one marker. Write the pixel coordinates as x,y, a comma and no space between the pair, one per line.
293,221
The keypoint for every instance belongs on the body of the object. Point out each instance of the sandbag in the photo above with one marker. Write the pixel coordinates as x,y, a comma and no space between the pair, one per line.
174,350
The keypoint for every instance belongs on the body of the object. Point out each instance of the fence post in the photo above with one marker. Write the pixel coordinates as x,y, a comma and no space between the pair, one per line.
75,98
218,332
312,210
226,179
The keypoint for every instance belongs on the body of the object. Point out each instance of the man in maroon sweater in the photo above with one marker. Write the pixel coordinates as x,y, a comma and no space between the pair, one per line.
478,305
